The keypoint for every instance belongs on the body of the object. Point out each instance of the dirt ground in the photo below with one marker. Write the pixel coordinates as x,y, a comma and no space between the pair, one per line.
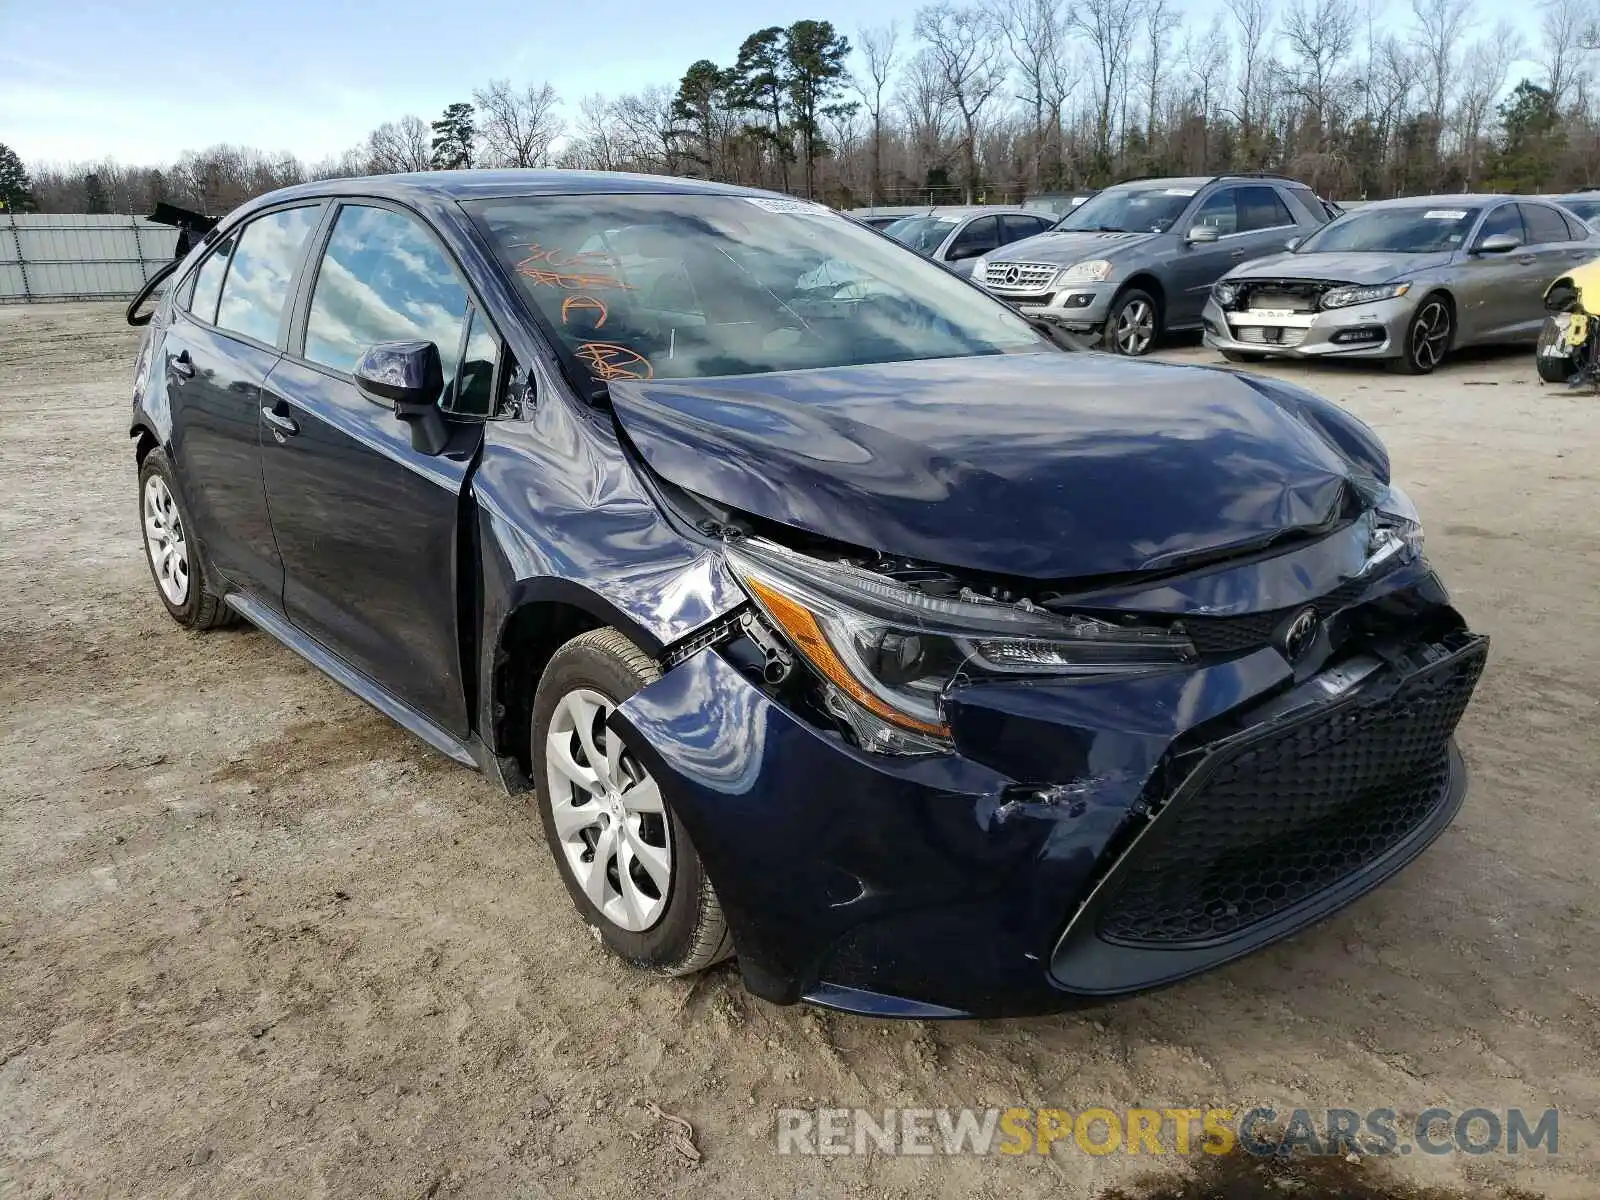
257,941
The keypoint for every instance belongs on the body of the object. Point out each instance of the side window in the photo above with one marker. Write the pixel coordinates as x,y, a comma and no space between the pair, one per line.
1544,224
1015,228
257,287
473,393
1219,210
1261,207
979,237
1504,219
383,279
208,281
1577,231
1308,202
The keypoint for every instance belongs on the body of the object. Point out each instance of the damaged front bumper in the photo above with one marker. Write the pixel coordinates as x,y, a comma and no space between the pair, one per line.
1089,837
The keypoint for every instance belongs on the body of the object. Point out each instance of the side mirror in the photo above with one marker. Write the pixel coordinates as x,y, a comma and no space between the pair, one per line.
1498,243
1291,243
408,378
1199,234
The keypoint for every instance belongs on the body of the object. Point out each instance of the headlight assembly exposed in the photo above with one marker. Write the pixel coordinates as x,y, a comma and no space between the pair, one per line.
888,653
1396,529
1344,297
1224,293
1096,270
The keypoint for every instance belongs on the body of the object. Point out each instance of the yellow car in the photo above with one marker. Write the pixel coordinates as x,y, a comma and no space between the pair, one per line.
1566,352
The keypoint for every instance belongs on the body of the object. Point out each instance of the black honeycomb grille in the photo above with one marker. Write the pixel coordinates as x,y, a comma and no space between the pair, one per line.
1291,815
1221,636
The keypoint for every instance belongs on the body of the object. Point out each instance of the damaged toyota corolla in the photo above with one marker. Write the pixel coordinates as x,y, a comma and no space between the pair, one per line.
838,620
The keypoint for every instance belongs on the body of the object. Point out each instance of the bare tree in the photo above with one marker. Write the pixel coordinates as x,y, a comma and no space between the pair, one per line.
1561,46
927,115
403,145
1206,60
965,56
652,134
1034,33
1159,19
1483,76
879,47
1254,21
1107,28
1320,35
517,127
1440,26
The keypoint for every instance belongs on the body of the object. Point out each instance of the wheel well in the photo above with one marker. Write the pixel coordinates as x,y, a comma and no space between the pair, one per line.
532,635
146,443
1150,284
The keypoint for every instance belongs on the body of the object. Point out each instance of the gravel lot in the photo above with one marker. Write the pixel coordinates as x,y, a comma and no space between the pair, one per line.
254,940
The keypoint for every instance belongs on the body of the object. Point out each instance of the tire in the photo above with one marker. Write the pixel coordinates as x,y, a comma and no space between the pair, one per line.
176,565
666,916
1239,356
1133,326
1428,336
1552,368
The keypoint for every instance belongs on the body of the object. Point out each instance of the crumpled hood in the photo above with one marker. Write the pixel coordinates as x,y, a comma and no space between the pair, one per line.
1068,248
1339,266
1047,465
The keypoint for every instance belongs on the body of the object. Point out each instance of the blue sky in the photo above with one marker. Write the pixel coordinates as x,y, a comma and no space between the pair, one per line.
141,83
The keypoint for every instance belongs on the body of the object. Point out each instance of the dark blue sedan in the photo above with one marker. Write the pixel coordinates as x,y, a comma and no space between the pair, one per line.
834,617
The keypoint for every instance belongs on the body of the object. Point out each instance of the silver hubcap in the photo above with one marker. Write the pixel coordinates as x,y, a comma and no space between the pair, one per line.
164,541
1430,335
610,824
1136,327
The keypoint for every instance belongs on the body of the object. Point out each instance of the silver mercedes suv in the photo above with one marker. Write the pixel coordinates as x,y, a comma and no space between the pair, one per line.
1138,260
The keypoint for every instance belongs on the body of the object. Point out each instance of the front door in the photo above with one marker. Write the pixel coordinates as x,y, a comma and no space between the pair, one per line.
367,526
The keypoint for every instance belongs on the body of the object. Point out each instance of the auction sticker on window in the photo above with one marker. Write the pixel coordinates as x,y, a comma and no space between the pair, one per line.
798,208
1444,214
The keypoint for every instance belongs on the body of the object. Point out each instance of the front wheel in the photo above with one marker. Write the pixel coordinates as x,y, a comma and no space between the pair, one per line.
1427,338
1134,324
626,859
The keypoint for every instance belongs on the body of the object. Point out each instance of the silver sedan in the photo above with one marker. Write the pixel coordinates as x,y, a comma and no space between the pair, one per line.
1405,280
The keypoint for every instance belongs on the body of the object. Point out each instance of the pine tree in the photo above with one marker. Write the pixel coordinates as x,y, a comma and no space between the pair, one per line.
94,194
16,189
453,136
815,79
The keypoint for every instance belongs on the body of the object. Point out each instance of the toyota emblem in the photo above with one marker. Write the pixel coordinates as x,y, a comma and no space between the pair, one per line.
1012,275
1299,634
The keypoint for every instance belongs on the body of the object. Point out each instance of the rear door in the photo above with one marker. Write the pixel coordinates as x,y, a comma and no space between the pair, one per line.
1016,226
368,527
216,354
1555,252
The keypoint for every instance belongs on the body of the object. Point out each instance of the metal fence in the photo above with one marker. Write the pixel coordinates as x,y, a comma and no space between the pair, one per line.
74,256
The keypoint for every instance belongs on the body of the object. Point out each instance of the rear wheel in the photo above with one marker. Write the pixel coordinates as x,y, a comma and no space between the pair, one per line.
1134,324
181,578
1557,367
1427,338
627,861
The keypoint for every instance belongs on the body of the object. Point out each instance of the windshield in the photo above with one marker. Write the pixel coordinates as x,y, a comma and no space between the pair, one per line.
673,286
1419,230
922,234
1588,209
1129,210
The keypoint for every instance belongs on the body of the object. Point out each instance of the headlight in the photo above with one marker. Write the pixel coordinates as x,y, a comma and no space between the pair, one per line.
1225,294
1095,271
887,653
980,269
1396,529
1343,297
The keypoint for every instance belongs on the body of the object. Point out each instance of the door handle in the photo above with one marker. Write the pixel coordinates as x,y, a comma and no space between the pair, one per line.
283,425
1237,254
1527,260
181,365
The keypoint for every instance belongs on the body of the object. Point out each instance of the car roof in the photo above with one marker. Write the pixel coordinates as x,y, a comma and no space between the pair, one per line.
1473,199
477,185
